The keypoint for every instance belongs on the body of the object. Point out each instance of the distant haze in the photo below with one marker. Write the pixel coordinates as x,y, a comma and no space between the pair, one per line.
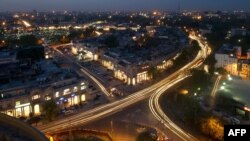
122,5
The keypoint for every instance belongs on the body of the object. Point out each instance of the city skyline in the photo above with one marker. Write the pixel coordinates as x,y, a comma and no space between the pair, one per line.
129,5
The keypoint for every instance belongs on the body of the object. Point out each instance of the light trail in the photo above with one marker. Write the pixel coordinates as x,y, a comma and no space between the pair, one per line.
116,106
154,99
216,84
160,115
102,88
26,24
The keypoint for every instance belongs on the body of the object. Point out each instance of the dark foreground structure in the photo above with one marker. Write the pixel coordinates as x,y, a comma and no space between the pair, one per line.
12,129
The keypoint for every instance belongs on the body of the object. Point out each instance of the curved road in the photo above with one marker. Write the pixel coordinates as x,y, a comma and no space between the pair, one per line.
154,99
114,107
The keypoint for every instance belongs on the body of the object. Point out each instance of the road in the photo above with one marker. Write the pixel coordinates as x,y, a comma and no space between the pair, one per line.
162,117
154,99
116,106
82,69
216,84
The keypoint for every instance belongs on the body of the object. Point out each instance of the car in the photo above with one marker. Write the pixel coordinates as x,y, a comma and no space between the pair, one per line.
68,112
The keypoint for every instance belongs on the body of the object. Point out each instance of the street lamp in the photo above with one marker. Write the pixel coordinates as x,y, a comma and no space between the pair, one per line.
222,87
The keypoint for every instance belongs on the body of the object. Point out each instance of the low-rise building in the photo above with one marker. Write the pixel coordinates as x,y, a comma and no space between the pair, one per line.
20,97
130,62
231,59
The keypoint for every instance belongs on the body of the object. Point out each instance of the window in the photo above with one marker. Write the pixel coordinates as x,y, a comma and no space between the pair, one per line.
82,83
37,109
57,94
47,98
83,87
83,97
75,89
66,91
35,97
18,103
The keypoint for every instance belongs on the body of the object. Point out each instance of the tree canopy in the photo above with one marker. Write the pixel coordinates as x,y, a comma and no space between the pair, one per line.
50,110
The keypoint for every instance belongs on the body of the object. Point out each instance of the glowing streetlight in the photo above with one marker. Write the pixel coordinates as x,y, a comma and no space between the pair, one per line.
222,87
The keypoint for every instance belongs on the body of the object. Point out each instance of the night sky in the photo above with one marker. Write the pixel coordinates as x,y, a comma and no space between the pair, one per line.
111,5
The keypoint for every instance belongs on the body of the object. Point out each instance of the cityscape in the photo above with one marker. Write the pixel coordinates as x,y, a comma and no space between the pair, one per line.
113,70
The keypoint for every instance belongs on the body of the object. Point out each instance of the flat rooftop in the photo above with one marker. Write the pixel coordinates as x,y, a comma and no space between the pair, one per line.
50,73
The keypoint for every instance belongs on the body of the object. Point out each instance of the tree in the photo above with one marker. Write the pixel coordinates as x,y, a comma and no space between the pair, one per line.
211,61
28,40
199,79
89,32
221,71
213,127
33,120
153,72
64,40
195,46
33,53
191,109
111,41
50,110
182,59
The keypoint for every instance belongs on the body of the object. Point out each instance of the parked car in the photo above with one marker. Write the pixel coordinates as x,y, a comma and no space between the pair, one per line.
68,112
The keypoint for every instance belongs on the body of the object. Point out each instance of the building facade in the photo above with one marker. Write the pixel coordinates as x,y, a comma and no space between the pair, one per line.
21,101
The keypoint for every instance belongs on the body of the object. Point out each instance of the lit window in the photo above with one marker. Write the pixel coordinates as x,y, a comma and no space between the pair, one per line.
83,87
57,94
83,97
37,109
66,91
75,89
47,98
18,103
35,97
82,83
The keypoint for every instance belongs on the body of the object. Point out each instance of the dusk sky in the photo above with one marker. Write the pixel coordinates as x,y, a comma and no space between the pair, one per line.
109,5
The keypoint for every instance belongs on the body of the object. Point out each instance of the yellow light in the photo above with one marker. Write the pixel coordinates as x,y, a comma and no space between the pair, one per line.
51,139
26,23
184,91
83,97
247,109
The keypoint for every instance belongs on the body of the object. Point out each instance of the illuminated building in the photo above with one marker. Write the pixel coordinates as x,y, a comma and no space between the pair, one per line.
20,102
231,59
